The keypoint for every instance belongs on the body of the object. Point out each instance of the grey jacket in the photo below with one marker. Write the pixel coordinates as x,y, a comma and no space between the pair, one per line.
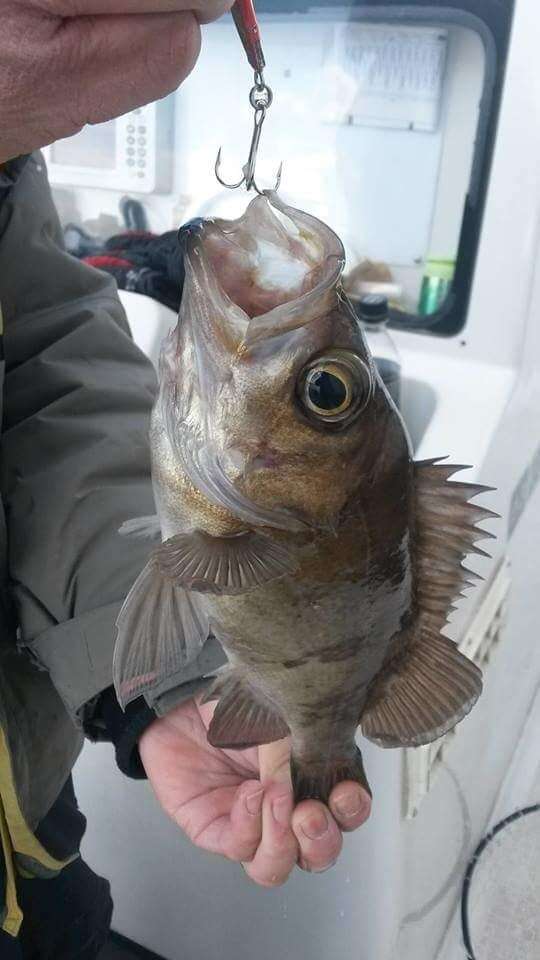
77,395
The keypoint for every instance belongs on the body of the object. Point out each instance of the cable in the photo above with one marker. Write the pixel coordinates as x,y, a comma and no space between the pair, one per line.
134,214
465,931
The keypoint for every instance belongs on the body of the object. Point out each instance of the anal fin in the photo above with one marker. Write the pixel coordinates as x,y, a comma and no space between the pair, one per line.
243,717
422,695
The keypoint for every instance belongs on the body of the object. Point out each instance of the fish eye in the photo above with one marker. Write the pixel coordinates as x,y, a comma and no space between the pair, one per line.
333,388
327,390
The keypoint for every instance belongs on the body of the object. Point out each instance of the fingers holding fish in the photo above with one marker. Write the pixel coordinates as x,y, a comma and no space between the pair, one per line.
243,834
350,805
278,850
318,835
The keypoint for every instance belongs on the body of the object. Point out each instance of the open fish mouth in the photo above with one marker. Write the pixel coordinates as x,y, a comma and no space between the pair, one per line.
276,265
270,274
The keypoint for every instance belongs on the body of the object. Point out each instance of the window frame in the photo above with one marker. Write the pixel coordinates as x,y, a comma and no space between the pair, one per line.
492,21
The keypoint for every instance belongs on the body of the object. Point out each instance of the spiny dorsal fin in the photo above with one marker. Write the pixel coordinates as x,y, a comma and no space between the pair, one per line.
429,686
446,531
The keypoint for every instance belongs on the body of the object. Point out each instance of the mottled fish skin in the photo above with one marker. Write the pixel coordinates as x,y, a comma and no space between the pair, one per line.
293,529
312,643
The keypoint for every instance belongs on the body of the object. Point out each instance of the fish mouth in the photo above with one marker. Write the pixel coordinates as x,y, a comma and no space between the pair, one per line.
275,266
272,272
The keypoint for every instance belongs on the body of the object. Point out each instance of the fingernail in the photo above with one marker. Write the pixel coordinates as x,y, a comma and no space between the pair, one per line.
281,810
315,826
254,802
304,865
350,804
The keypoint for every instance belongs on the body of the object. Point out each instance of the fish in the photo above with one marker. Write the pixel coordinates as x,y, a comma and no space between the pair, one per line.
293,524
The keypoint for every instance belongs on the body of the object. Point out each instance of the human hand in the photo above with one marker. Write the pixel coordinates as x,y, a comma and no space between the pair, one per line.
66,63
239,803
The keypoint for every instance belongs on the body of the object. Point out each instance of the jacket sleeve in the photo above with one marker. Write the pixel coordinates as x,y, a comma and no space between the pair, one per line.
74,458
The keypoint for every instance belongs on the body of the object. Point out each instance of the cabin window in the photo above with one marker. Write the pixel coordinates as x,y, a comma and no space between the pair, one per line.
384,115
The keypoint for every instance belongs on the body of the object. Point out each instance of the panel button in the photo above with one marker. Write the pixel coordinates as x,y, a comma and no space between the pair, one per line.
131,163
142,141
130,128
131,139
141,163
130,151
141,129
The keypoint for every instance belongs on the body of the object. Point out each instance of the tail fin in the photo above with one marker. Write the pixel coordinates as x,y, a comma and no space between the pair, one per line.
315,780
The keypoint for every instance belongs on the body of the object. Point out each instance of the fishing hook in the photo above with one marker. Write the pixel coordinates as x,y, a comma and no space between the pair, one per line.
260,98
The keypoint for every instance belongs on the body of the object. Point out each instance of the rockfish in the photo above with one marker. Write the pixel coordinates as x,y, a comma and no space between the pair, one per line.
294,525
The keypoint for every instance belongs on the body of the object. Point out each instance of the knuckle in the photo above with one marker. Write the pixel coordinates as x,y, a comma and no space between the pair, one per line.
244,853
208,10
76,46
179,45
282,845
320,856
189,824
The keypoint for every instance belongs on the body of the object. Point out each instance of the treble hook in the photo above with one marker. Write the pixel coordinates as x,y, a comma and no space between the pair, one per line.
260,98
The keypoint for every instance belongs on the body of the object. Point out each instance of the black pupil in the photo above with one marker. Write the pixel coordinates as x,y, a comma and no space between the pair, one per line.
326,391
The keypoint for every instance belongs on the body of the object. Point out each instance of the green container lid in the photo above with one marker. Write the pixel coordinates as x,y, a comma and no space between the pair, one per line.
442,269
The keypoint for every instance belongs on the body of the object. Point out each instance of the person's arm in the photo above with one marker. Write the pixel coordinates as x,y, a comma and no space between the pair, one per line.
75,454
75,462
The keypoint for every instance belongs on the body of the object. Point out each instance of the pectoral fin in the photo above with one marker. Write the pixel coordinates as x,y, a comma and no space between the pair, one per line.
228,565
243,717
161,628
422,694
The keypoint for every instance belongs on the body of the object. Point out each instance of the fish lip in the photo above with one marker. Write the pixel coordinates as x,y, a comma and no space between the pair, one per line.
188,232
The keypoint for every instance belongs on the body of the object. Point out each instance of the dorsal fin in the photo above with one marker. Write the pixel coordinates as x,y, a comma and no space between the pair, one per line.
446,531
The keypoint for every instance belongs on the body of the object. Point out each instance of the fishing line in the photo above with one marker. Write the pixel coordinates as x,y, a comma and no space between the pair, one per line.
465,929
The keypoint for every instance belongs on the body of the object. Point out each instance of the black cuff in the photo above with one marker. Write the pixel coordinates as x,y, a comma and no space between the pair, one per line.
122,728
